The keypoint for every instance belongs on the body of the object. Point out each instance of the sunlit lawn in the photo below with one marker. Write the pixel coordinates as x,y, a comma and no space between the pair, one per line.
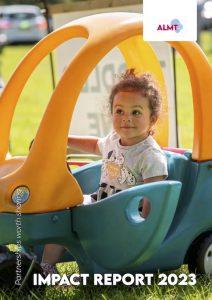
33,100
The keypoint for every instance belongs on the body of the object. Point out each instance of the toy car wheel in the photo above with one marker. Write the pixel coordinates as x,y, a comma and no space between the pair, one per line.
13,268
201,262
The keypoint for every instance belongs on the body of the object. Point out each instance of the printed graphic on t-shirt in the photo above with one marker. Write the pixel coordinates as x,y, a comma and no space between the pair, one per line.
114,169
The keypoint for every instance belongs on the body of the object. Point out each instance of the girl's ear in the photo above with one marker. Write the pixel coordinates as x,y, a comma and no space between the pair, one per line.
153,120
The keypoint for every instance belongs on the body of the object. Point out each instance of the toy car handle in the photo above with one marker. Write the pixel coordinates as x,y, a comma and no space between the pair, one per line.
40,185
118,223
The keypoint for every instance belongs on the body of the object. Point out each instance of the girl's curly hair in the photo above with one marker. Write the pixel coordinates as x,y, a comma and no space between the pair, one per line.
144,84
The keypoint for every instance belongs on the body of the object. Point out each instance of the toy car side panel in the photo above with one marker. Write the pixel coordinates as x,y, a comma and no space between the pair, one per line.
193,218
108,227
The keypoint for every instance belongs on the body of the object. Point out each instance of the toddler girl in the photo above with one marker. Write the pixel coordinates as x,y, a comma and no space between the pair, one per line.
130,154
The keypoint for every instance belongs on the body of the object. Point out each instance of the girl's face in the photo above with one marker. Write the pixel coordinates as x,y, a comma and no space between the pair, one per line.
131,117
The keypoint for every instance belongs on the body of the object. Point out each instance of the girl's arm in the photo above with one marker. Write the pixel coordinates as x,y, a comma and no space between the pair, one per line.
146,205
87,144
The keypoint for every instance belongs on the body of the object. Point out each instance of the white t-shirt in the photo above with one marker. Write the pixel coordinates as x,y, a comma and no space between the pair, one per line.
127,166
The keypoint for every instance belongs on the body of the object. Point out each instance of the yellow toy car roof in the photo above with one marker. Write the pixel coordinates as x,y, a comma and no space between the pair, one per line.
44,171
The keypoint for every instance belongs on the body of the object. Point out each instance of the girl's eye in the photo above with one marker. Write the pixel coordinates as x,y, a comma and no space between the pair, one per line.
119,111
136,113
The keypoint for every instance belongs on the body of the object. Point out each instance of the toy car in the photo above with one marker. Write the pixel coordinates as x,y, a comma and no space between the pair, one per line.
108,236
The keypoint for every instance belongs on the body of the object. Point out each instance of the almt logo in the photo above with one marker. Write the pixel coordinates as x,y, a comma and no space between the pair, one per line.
175,25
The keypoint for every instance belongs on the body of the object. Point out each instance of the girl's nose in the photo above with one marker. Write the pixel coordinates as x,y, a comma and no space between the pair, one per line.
126,118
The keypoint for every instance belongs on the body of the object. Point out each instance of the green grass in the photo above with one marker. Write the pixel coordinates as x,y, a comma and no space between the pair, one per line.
184,105
33,99
201,291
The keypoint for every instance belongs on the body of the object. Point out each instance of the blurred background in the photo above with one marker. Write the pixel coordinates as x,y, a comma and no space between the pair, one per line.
24,23
204,17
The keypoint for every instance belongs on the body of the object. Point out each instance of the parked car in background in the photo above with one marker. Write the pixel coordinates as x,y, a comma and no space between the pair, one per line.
206,15
22,23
